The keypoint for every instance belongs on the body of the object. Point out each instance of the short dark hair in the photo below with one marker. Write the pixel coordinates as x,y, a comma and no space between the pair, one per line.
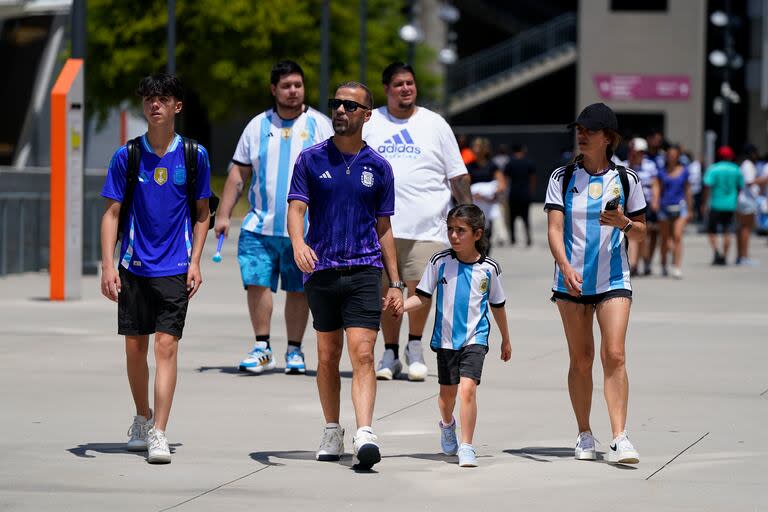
358,85
161,84
283,68
395,68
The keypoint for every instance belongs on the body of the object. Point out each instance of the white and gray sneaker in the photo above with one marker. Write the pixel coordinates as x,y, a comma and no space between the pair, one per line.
389,367
159,451
332,445
622,451
414,358
585,446
367,452
137,433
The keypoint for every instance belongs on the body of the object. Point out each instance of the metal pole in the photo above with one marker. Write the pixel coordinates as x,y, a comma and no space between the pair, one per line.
171,43
411,45
78,29
363,40
725,135
325,34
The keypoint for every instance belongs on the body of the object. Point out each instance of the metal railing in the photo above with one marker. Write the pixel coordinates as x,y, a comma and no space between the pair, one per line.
532,44
25,222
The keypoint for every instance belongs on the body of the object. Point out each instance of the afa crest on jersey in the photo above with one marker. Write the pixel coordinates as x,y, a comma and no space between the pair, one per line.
367,178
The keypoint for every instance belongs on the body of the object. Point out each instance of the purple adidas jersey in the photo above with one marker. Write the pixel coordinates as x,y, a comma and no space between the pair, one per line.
343,207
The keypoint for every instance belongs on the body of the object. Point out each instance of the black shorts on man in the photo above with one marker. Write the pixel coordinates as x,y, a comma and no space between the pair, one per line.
719,221
345,297
147,305
465,362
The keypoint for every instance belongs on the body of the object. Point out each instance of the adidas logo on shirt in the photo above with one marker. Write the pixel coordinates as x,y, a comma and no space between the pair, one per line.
400,143
326,175
574,190
443,281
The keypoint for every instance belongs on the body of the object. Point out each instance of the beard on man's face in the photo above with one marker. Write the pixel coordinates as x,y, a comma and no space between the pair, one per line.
345,126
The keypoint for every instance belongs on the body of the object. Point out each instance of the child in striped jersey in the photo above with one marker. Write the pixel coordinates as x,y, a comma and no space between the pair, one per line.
467,285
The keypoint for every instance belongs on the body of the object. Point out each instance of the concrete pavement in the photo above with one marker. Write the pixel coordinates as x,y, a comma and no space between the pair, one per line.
697,358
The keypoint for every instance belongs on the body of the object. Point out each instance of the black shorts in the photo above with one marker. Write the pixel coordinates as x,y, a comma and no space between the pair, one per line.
591,300
719,221
147,305
465,362
343,298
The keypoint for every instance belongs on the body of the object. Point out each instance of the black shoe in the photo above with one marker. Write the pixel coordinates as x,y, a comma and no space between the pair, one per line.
633,272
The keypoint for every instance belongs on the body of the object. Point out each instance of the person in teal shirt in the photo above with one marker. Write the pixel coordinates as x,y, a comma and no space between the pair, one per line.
723,181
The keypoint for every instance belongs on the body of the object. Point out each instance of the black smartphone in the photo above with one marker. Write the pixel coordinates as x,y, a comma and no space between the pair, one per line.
612,204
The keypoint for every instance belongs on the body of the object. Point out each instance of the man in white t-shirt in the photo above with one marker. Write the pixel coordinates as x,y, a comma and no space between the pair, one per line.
428,169
264,158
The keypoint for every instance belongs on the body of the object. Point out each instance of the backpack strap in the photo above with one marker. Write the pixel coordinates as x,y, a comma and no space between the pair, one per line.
133,147
190,162
624,182
567,175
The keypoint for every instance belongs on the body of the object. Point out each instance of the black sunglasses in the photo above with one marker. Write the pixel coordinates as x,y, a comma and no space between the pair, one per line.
349,105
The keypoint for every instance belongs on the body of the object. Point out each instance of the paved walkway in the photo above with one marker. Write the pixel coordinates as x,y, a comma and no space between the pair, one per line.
697,358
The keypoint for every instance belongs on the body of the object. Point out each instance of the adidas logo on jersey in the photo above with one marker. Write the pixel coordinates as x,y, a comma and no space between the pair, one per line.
326,175
399,143
574,190
443,281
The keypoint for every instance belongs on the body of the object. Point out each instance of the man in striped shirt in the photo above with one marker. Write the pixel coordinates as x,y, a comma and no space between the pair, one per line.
265,155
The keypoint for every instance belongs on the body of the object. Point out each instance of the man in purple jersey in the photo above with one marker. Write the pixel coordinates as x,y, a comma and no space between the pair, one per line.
349,190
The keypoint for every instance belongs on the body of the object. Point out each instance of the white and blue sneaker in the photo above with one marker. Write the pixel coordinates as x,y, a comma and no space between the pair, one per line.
367,451
448,441
332,445
585,446
258,359
622,451
389,367
467,456
294,361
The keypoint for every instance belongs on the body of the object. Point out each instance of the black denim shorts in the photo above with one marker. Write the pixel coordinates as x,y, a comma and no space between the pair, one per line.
343,298
147,305
465,362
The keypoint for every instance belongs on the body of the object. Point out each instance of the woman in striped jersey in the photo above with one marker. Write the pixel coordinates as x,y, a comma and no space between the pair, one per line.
593,205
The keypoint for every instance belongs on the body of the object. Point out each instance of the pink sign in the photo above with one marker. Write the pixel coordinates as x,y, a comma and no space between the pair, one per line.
643,87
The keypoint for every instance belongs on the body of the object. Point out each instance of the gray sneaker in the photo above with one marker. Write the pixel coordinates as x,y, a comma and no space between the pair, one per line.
414,358
389,367
137,433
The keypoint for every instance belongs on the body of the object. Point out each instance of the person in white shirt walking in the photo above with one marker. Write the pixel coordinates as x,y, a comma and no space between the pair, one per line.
428,169
264,158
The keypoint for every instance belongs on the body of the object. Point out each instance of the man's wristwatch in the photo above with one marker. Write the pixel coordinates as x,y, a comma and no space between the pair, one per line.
626,228
400,285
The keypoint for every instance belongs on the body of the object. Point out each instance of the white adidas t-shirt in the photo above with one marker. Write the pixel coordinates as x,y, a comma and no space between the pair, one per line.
596,252
424,155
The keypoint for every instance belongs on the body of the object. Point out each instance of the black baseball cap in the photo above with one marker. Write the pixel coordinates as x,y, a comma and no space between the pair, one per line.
597,116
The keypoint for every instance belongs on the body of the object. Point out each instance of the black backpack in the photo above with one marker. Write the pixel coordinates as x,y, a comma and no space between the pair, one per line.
570,168
132,178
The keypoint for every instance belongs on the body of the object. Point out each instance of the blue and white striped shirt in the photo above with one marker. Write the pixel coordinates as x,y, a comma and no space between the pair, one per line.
271,145
596,252
464,293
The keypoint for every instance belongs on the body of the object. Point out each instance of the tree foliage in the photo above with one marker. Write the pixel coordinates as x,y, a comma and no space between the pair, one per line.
226,48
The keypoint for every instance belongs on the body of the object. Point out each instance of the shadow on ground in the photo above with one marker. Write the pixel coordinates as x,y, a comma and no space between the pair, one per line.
233,370
546,453
110,449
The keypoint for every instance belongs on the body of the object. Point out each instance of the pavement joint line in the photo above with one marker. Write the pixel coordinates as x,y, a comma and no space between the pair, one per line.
430,397
214,489
764,392
548,353
676,456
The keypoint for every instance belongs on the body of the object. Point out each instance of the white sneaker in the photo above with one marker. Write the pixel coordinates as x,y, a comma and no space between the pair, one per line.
367,452
622,451
332,445
258,359
137,433
159,452
677,273
414,358
585,447
389,367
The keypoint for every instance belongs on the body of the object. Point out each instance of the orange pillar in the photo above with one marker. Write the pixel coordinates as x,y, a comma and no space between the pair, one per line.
65,261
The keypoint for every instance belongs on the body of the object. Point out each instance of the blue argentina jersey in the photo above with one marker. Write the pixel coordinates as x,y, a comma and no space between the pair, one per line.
596,252
271,145
157,237
464,292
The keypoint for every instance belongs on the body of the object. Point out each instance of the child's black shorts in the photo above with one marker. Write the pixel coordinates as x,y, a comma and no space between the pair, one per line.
147,305
465,362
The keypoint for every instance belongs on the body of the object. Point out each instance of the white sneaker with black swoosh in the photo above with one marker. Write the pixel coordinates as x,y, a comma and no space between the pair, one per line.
621,451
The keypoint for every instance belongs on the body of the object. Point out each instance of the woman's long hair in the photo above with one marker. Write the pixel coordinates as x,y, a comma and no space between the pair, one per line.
475,219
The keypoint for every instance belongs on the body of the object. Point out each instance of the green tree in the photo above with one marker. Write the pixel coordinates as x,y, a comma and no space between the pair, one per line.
226,48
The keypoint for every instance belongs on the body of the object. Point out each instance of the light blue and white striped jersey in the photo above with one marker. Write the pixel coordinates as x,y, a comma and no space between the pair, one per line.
464,293
596,252
271,145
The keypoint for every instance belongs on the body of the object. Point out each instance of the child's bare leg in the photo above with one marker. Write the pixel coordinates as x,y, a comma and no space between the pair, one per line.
447,402
468,397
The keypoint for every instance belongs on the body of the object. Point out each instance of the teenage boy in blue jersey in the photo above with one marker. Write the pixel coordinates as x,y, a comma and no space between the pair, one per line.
349,190
159,269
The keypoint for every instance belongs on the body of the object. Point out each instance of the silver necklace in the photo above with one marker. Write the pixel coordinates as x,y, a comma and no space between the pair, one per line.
348,165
